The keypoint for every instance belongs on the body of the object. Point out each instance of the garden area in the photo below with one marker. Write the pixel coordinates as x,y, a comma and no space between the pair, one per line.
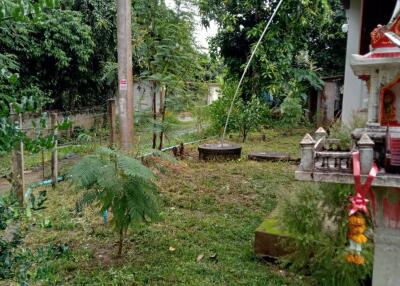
205,233
102,179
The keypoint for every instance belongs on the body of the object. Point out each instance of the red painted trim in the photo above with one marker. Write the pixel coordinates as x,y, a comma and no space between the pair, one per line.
383,90
384,55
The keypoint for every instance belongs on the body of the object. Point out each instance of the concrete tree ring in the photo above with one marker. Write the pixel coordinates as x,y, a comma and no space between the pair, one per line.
222,152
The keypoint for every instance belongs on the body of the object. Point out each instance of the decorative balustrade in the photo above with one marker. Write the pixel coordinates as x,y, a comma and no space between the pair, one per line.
323,155
333,161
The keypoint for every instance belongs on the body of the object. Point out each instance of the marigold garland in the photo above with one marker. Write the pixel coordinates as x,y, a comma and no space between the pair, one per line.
355,259
357,226
359,238
357,220
357,230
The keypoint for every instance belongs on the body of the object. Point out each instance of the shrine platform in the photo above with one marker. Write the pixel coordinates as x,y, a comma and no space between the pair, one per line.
382,179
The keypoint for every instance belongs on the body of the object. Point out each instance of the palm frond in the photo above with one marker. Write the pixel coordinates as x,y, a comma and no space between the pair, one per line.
87,199
108,178
133,168
117,181
86,172
104,151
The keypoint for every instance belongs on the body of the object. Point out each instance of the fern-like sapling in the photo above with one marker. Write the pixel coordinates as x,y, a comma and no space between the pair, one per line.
118,182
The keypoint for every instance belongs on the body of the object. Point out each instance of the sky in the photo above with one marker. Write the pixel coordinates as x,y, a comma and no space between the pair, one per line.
202,34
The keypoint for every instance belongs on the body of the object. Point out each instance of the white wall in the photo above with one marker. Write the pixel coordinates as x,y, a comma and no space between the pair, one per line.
143,96
355,90
214,92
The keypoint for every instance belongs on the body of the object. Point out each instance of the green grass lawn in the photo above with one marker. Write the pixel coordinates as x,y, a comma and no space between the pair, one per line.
209,212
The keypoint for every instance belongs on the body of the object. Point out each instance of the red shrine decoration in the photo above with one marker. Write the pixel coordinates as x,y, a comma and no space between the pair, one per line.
382,46
388,108
378,37
358,209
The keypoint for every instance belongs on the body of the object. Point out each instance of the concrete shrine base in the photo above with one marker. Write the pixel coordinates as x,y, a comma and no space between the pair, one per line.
386,257
385,203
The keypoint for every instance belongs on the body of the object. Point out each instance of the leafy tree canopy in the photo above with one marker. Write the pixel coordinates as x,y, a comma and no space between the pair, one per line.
289,52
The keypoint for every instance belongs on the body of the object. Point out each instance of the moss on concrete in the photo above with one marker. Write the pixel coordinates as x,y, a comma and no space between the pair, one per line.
271,226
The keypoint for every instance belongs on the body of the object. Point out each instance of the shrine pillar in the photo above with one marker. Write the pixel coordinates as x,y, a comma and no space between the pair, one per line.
307,153
373,100
386,236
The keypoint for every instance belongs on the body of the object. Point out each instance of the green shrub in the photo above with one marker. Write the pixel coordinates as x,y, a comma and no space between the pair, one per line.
246,116
219,109
343,132
9,210
249,116
292,112
317,218
201,116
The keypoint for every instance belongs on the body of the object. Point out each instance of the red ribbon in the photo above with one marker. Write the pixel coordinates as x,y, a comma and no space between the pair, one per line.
359,201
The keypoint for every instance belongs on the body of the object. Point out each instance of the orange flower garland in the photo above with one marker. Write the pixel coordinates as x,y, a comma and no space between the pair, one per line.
357,226
355,259
357,211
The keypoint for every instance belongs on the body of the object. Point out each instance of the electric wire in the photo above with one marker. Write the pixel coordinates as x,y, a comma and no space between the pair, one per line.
247,67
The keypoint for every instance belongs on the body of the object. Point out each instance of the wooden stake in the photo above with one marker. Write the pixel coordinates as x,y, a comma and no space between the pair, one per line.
154,114
18,177
54,153
125,73
43,167
163,92
111,117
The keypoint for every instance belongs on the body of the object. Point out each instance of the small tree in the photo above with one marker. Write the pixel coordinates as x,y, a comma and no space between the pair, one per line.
115,181
246,116
219,109
249,116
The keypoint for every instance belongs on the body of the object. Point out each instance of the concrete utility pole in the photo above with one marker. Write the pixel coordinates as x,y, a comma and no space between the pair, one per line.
125,76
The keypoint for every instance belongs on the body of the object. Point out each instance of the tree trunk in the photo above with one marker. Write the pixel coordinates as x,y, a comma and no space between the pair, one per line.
154,115
244,135
120,243
163,95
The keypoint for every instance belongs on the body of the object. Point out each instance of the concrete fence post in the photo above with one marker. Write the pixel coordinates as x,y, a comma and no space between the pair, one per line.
320,133
366,147
307,153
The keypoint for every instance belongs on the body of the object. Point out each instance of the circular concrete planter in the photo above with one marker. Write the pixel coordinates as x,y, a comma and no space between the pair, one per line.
220,152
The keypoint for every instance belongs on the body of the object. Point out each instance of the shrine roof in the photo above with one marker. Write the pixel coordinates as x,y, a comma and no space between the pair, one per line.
385,50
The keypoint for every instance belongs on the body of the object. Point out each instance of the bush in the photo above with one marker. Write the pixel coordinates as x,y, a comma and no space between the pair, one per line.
201,115
219,109
246,116
249,116
317,217
292,112
343,132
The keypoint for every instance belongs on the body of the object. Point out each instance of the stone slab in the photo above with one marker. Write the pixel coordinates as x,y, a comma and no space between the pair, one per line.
269,156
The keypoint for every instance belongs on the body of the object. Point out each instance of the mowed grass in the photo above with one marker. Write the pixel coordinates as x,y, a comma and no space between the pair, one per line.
209,212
